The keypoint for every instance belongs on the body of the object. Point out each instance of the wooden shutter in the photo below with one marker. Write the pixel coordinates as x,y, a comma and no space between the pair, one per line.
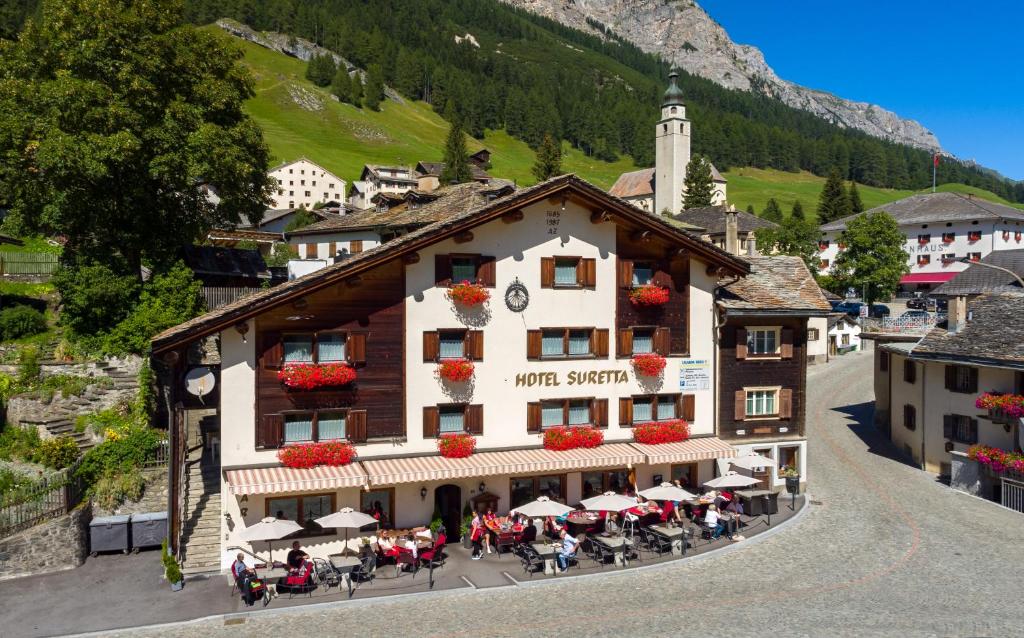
786,349
473,345
741,343
662,341
474,419
883,363
909,417
973,436
533,417
534,340
273,350
599,342
950,377
355,246
355,347
355,426
626,411
909,371
431,345
270,431
311,251
972,381
599,413
625,274
686,408
786,403
547,272
431,422
485,271
947,425
442,270
741,405
332,250
624,343
586,273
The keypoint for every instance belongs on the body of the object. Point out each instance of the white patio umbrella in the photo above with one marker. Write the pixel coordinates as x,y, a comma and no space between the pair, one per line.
731,479
269,529
751,461
541,508
667,492
346,518
609,502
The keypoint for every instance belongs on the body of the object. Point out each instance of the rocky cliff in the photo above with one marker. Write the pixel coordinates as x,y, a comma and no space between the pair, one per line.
680,31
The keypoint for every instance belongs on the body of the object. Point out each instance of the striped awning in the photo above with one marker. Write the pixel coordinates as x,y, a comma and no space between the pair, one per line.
272,480
417,469
702,449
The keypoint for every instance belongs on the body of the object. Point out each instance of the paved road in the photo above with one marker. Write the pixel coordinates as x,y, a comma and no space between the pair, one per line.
889,551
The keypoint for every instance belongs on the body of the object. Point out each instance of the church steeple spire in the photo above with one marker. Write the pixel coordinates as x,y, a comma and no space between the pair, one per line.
674,94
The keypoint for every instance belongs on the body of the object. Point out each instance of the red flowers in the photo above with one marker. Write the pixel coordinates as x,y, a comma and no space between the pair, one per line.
649,364
306,455
455,370
309,376
468,294
1010,405
648,295
656,432
573,436
999,461
456,446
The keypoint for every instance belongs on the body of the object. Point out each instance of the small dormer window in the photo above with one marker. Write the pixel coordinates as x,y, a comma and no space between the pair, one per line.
672,110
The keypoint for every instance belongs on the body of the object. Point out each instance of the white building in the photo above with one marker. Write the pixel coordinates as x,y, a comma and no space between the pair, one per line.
940,228
374,179
843,334
302,184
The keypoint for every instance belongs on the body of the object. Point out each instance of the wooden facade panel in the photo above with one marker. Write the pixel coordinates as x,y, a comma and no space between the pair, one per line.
672,273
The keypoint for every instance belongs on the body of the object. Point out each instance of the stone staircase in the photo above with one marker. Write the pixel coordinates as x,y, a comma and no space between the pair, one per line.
201,524
62,426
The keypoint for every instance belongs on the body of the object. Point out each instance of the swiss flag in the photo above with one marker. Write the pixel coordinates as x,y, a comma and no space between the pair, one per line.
935,159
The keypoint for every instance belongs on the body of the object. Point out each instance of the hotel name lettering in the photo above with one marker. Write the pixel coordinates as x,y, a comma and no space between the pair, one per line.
575,377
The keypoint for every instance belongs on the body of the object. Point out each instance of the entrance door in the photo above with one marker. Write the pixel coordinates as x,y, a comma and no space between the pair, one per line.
448,501
832,345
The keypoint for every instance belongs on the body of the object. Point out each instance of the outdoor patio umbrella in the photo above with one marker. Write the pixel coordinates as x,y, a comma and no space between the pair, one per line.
269,529
609,502
667,492
542,508
731,479
752,460
346,518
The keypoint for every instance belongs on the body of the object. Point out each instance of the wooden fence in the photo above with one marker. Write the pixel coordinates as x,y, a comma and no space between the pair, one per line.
17,263
41,501
217,296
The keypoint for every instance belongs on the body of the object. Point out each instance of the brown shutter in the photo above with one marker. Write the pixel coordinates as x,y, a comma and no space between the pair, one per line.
355,426
355,246
909,371
786,350
786,403
972,381
883,363
599,413
974,432
273,350
547,272
431,345
442,270
270,431
741,343
431,422
473,346
355,347
311,251
624,343
626,411
533,344
741,405
625,267
485,271
533,417
947,425
599,342
332,249
586,273
474,419
687,410
662,341
950,377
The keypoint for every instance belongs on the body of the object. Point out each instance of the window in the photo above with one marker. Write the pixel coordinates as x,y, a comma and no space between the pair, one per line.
974,235
463,269
320,347
298,428
291,204
379,503
452,344
924,239
789,457
451,419
762,403
974,256
824,244
565,412
566,342
961,379
330,426
298,348
812,334
597,483
883,361
302,182
326,195
321,425
924,260
643,340
823,264
763,341
685,473
330,347
910,417
948,258
960,428
909,371
662,407
307,194
565,271
303,510
523,489
948,238
643,273
568,272
439,345
313,183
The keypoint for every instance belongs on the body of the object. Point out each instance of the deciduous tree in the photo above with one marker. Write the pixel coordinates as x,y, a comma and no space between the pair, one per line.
794,236
873,260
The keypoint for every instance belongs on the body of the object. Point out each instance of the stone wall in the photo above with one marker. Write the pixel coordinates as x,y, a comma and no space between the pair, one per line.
54,546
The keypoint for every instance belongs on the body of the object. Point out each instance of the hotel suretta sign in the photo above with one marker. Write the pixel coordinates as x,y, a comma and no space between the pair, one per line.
575,377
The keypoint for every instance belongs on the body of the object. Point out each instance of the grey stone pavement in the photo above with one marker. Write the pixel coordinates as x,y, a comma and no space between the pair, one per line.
886,551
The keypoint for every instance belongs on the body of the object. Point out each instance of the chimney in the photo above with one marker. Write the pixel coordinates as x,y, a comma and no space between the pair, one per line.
732,232
956,314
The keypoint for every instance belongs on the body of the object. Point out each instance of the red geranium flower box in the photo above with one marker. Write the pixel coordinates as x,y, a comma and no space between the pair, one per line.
570,437
456,446
307,455
649,364
468,293
656,432
309,376
649,295
455,370
999,461
1002,405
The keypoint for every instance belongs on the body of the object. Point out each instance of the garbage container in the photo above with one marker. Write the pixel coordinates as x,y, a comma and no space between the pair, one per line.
149,529
108,534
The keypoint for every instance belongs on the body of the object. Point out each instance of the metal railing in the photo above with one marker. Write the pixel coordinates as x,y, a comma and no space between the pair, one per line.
217,296
16,263
36,503
908,324
161,457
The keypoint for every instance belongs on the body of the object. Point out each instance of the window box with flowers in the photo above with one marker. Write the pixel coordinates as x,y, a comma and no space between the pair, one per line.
456,446
570,437
649,295
307,455
469,294
948,238
649,364
1001,407
310,376
974,235
455,370
657,432
996,460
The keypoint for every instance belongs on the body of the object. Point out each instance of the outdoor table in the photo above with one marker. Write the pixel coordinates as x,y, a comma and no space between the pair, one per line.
617,545
583,522
344,565
547,552
674,534
731,523
753,502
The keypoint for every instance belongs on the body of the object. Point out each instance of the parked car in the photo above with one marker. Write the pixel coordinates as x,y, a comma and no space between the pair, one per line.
879,310
916,314
927,303
851,308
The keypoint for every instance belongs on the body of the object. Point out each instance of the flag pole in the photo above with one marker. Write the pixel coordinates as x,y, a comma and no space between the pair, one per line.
935,165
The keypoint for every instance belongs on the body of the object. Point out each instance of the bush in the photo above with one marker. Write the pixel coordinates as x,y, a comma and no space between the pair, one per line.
28,367
18,443
116,488
120,453
11,481
57,453
21,321
95,297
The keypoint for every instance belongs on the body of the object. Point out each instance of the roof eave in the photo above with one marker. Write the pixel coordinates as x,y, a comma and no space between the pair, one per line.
960,359
772,312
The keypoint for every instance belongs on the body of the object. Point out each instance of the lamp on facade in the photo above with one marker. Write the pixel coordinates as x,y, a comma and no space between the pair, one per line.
423,493
482,487
242,328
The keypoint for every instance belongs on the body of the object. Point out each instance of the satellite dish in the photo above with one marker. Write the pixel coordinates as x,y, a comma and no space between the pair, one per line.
200,381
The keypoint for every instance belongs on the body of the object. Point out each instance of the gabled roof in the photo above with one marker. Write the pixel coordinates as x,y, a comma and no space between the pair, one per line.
978,280
835,318
712,219
641,183
928,208
434,169
776,285
305,159
227,262
375,169
992,335
274,214
567,185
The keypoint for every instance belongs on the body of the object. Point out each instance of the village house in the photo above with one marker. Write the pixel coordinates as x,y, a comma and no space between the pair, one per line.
730,229
381,186
985,277
843,334
303,184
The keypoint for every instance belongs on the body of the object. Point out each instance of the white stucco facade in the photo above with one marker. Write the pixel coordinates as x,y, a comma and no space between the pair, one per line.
302,184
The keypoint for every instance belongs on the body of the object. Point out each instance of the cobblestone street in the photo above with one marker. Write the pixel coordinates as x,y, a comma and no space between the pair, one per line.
886,550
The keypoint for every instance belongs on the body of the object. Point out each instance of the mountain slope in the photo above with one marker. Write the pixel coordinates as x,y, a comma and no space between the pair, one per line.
684,34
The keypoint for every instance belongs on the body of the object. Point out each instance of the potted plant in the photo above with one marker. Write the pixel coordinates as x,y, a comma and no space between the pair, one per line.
649,295
310,376
456,445
172,572
455,370
570,437
792,476
658,432
649,364
467,293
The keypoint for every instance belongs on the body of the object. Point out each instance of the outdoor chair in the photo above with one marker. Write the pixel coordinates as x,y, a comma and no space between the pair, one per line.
434,557
324,573
299,583
365,571
658,543
504,540
531,561
707,532
405,557
599,554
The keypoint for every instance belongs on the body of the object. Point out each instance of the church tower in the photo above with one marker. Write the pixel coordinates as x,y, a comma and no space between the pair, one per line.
672,150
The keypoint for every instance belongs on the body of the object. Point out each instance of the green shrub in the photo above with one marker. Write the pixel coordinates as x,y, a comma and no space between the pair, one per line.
147,390
21,321
69,385
18,443
10,481
57,453
95,297
121,452
28,367
113,489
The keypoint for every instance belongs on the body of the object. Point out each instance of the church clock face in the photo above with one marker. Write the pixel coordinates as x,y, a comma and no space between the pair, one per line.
517,297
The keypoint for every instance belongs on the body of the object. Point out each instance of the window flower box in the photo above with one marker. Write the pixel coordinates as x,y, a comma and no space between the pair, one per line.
469,294
455,370
649,295
996,460
948,238
657,432
307,455
973,236
456,446
1001,407
648,364
570,437
924,239
310,376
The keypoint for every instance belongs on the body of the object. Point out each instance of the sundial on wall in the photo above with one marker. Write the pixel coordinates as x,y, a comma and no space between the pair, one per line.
517,297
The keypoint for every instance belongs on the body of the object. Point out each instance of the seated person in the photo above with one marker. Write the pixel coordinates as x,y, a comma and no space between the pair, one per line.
245,578
713,522
410,545
529,534
239,569
611,526
569,547
552,528
735,506
296,557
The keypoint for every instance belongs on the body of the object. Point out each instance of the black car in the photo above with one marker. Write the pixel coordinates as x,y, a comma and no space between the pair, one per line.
917,303
879,310
927,303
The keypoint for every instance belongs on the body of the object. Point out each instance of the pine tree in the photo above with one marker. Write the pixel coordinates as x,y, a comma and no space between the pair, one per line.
456,157
321,69
373,92
356,96
699,187
856,206
833,202
750,209
549,159
772,212
798,211
341,85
